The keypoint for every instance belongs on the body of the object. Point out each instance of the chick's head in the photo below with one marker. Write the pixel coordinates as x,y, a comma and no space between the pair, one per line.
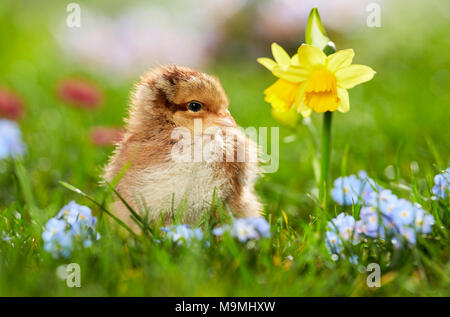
178,96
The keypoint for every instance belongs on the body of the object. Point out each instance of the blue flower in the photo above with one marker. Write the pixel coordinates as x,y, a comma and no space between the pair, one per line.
10,139
408,234
368,185
346,190
220,230
59,244
423,222
182,234
403,213
261,225
53,227
370,224
442,184
245,229
341,228
74,213
74,223
379,233
353,189
369,216
333,242
343,225
360,230
385,201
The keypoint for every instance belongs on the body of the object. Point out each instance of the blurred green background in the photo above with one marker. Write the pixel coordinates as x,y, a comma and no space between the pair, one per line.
398,122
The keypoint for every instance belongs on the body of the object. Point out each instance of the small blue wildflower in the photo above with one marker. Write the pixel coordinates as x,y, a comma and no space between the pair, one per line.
403,213
442,184
60,244
385,201
389,224
73,223
346,190
368,185
408,234
10,139
362,175
341,228
344,225
261,225
180,234
333,243
369,216
220,230
423,222
360,230
53,227
379,233
354,189
370,225
246,229
74,213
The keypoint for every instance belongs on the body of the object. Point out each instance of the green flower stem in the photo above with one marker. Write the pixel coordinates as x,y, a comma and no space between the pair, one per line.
326,149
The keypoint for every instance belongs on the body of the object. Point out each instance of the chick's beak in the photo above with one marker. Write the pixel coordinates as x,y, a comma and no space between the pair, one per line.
225,121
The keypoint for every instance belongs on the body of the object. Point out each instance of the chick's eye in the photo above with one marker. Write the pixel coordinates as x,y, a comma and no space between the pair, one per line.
194,106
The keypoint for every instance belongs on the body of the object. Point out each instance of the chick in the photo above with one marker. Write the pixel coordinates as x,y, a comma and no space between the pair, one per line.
166,100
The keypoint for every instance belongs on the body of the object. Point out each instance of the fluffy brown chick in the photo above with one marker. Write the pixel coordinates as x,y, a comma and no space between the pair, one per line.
172,97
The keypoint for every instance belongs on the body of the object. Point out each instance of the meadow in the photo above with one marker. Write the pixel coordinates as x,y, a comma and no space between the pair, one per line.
397,131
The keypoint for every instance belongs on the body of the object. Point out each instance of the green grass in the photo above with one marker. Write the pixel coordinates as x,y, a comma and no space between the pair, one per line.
398,119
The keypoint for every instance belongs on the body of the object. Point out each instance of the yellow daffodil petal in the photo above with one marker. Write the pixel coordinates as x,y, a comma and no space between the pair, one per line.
340,59
280,55
345,100
350,76
281,95
267,62
295,61
299,102
300,97
310,56
293,74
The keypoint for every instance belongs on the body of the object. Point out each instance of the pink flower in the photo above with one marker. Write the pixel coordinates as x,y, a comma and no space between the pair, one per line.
104,136
11,106
80,93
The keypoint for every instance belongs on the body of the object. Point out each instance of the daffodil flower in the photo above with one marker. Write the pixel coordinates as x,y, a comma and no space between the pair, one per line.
282,94
314,79
322,81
